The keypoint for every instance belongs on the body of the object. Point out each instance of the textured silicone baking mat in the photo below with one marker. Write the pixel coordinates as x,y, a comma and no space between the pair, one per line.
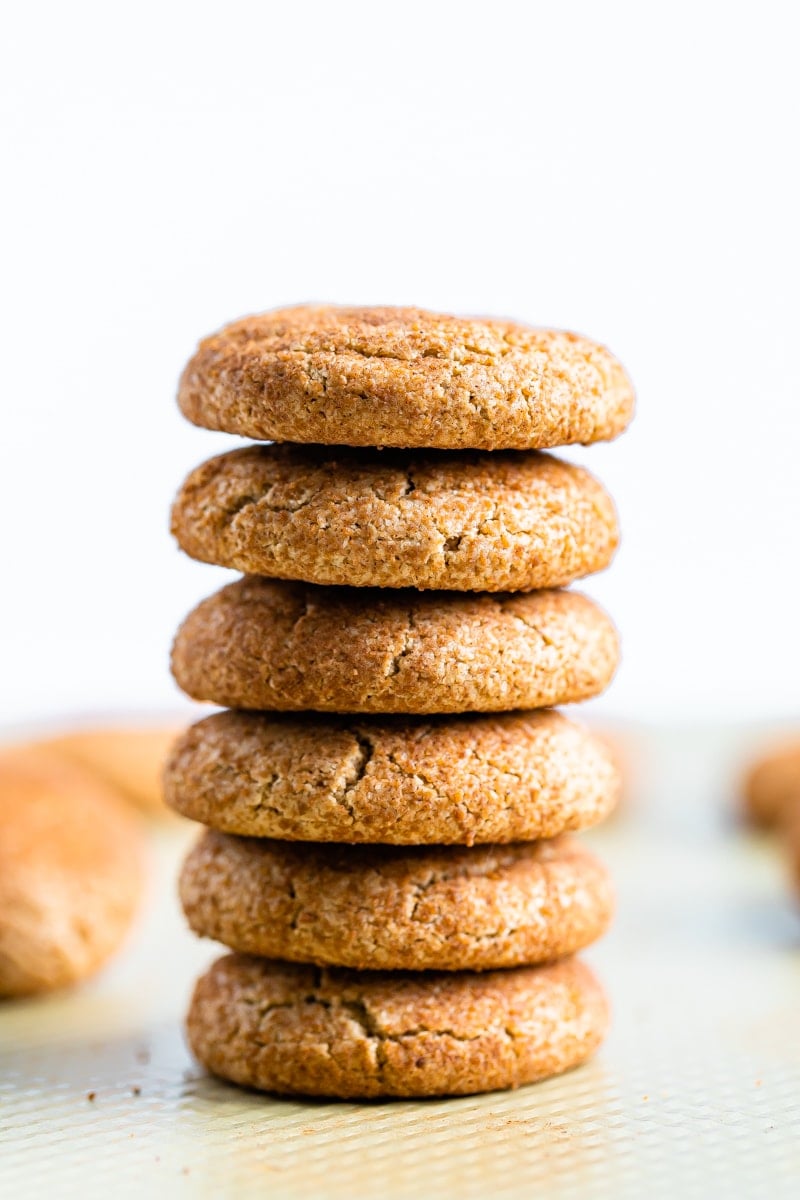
696,1092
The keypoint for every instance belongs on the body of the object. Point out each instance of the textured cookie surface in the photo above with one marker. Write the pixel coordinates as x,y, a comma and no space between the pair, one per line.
504,778
265,644
370,518
772,783
71,858
397,908
300,1030
404,377
129,759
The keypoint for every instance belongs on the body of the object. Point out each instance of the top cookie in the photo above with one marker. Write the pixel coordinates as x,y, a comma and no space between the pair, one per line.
404,377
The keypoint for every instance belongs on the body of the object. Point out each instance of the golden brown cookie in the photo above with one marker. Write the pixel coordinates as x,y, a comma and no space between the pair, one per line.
419,908
300,1030
370,518
131,759
71,855
772,783
265,644
504,778
404,377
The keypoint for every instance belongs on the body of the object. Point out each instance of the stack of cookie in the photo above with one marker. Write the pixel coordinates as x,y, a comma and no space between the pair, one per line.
390,796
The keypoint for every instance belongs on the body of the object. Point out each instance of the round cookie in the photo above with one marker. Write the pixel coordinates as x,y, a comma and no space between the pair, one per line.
71,879
772,783
393,908
404,377
504,778
301,1030
466,522
266,644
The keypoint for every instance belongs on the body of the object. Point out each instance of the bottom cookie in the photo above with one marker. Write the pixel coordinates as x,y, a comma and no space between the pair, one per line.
300,1030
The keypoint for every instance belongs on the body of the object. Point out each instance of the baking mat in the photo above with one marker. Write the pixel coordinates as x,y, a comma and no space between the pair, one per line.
696,1092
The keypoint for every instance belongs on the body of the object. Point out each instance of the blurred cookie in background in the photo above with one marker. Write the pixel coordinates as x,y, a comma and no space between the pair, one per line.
128,757
623,744
771,796
771,784
71,871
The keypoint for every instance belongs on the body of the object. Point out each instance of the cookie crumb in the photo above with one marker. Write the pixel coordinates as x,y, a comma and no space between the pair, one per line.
90,1096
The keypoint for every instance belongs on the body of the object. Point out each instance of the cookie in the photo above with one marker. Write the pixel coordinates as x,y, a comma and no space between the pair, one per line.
130,759
71,856
371,518
510,777
301,1030
420,908
772,783
404,377
265,644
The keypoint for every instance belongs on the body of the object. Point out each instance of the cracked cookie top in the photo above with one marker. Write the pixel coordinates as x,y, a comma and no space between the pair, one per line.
266,644
397,907
404,377
403,781
468,522
301,1030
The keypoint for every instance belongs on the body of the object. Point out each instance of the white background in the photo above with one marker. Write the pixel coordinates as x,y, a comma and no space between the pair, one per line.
624,169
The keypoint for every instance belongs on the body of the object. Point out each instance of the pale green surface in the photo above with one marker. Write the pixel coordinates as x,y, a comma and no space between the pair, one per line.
696,1092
